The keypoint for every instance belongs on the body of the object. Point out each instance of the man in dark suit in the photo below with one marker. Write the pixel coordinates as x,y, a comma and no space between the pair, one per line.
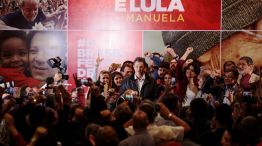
140,82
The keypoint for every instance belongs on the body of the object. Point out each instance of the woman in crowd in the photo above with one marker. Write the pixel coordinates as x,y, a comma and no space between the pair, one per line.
186,75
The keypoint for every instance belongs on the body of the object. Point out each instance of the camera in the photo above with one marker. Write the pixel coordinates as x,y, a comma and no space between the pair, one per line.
57,63
86,81
129,98
247,94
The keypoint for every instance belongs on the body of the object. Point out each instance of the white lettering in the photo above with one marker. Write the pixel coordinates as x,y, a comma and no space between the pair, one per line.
150,8
176,5
159,7
120,5
155,5
133,7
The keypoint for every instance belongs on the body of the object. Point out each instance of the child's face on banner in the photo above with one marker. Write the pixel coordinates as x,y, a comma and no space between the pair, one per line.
14,54
43,47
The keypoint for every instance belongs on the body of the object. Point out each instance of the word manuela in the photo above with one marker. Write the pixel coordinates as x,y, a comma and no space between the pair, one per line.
140,10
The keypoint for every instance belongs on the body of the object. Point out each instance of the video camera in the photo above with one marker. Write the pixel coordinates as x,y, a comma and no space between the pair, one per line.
56,63
86,81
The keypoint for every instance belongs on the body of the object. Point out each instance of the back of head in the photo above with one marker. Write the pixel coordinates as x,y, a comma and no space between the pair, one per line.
248,132
170,101
91,129
164,65
140,120
224,115
199,109
106,136
148,107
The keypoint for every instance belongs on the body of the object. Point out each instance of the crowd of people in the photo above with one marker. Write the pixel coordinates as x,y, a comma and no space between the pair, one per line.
159,99
33,14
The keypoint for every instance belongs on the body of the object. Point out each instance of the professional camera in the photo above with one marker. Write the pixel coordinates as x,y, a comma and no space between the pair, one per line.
86,81
56,63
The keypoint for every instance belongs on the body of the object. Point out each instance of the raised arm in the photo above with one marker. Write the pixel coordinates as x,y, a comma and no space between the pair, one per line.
98,62
61,9
188,51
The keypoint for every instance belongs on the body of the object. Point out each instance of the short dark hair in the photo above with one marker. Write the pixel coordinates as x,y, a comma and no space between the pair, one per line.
234,72
164,64
227,63
124,66
127,62
247,59
106,135
141,59
148,107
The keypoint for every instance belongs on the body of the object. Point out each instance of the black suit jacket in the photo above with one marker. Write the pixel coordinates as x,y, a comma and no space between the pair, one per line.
149,88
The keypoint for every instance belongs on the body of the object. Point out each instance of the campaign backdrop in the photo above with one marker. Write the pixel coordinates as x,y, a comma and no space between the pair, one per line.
119,30
144,14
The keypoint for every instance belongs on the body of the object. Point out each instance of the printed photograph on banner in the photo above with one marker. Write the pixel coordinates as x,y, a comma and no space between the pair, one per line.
239,14
172,45
242,43
144,14
94,51
30,57
33,14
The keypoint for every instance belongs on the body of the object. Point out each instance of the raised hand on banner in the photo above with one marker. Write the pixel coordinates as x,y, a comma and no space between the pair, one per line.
189,50
99,60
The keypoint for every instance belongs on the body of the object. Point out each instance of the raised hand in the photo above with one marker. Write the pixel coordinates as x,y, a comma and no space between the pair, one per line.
189,50
147,54
77,81
99,60
188,61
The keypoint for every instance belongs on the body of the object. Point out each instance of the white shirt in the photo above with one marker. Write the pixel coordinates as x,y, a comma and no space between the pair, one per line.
140,82
190,95
162,133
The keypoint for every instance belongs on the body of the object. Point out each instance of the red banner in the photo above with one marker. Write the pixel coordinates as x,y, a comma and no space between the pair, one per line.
144,14
113,46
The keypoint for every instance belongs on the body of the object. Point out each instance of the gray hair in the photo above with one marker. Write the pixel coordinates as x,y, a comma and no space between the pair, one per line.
22,2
